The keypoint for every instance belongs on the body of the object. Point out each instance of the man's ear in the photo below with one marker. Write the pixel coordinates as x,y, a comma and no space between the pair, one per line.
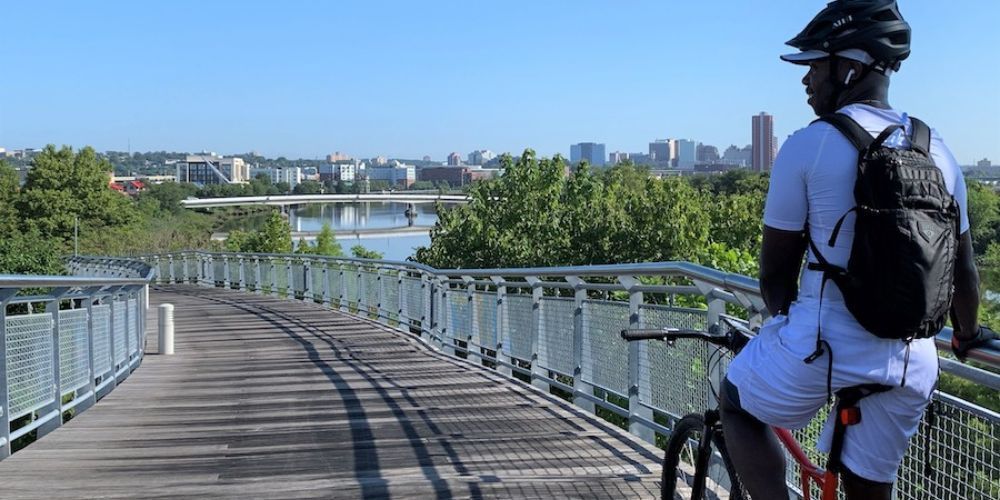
850,71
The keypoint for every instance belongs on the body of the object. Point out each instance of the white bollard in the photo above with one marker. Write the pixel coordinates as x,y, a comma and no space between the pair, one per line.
166,323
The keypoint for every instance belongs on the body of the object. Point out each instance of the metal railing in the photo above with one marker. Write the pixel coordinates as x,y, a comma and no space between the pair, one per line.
67,342
558,328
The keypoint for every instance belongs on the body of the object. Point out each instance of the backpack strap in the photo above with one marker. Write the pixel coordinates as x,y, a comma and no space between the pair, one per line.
921,140
850,128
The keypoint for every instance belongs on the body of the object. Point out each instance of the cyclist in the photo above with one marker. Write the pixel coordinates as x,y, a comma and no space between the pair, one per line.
852,48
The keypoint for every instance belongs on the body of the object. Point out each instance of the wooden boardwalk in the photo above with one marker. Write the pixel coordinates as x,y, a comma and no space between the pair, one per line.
269,398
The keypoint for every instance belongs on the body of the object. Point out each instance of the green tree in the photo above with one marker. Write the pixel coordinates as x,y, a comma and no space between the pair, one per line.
63,186
169,195
303,248
326,243
10,186
984,215
29,253
308,187
238,241
364,253
274,237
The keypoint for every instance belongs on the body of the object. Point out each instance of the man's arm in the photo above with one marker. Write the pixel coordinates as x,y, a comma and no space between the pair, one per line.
965,301
780,261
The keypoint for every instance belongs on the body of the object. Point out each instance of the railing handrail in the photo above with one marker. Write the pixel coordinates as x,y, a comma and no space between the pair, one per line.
41,281
727,282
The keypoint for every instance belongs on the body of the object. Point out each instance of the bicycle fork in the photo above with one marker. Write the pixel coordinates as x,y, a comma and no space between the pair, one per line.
704,453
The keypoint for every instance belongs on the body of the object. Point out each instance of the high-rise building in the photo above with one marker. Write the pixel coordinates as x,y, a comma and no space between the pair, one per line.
454,160
686,154
481,157
764,143
984,163
707,153
591,152
663,151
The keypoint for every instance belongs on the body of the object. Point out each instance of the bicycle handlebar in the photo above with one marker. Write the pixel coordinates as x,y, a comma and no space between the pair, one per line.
734,338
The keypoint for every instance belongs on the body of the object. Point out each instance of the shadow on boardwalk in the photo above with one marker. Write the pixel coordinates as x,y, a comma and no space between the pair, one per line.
268,398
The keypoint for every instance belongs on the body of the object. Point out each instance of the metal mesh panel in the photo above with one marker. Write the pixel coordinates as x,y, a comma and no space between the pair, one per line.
517,322
316,269
336,283
605,354
266,272
353,287
102,339
678,373
193,264
298,277
459,307
413,288
250,274
219,267
555,335
390,296
370,288
118,310
163,270
484,327
281,275
234,271
74,352
29,363
133,325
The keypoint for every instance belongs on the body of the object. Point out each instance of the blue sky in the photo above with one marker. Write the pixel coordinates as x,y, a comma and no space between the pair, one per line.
406,79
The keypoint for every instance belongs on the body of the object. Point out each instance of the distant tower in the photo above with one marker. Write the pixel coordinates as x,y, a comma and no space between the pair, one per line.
764,143
454,160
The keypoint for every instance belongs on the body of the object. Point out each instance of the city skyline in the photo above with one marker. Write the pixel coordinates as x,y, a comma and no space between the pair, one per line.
410,80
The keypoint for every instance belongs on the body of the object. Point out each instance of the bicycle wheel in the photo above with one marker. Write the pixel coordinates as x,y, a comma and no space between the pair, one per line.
682,453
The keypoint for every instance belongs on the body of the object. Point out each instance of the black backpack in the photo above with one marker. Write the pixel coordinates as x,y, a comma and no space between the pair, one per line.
898,281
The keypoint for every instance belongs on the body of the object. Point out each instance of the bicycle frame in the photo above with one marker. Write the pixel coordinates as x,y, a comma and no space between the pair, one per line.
827,481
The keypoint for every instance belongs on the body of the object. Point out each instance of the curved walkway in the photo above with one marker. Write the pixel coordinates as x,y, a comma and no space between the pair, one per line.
268,398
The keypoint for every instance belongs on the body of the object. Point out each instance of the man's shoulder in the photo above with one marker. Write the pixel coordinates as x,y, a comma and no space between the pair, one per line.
813,136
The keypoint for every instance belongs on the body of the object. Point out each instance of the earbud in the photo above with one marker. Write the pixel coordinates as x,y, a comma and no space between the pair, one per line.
850,73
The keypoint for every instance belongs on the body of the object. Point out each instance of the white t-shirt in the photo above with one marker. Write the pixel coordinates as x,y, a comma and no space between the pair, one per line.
813,180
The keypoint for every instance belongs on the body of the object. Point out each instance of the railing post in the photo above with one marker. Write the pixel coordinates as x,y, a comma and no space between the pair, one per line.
639,389
226,278
383,316
470,306
343,289
5,296
446,339
403,302
427,319
539,376
184,269
210,271
243,274
307,284
170,274
111,338
52,307
258,288
128,338
580,387
327,293
503,359
289,279
716,308
274,276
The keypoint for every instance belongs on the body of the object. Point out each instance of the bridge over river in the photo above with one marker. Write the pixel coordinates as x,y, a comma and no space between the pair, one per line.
383,380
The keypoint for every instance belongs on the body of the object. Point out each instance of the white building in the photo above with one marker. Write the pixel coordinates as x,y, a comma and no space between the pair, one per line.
480,157
212,169
398,174
346,171
291,175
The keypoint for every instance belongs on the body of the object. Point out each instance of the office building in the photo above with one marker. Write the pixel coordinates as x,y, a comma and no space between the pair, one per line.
707,153
337,157
291,175
346,171
212,169
591,152
764,142
984,163
396,174
663,151
481,157
686,154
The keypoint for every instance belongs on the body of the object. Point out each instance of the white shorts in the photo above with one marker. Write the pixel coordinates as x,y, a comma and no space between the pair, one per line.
777,387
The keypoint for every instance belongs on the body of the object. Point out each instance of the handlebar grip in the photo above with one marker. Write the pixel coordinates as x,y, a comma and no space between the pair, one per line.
643,334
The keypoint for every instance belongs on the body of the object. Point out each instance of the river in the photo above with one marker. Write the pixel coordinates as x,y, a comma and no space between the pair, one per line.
383,227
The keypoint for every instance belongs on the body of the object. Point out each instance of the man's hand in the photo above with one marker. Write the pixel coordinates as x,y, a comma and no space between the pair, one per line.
961,346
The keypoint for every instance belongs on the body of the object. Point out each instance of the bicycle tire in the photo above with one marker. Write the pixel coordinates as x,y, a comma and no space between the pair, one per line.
683,447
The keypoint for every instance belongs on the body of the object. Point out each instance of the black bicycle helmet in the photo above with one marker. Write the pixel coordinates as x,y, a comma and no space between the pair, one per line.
875,26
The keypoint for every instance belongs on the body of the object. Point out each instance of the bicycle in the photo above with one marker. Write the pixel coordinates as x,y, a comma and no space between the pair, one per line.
696,457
